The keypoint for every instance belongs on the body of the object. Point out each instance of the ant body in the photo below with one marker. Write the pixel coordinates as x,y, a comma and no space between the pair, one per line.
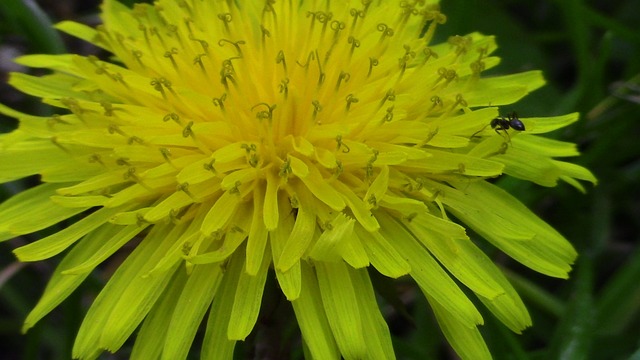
501,123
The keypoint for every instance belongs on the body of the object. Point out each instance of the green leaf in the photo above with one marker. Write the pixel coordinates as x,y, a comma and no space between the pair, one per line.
574,335
26,17
619,301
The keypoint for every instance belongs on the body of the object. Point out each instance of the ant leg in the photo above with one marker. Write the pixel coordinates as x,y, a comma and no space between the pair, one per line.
508,136
479,131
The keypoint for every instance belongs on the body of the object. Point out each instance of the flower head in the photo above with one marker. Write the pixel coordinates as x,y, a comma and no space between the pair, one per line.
311,139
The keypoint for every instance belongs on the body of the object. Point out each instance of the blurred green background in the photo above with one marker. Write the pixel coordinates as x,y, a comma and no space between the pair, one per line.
590,53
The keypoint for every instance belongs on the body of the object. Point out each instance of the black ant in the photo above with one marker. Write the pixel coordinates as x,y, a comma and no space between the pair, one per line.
501,123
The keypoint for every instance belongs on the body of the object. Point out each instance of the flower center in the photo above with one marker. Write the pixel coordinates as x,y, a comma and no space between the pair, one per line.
310,80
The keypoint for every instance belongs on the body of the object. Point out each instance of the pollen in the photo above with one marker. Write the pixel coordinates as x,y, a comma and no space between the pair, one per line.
272,103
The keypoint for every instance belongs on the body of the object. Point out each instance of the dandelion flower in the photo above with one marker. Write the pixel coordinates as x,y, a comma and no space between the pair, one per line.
314,140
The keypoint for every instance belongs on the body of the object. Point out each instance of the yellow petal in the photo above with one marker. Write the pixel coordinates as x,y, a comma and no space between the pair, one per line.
290,279
195,299
216,343
248,298
466,340
429,274
325,248
58,242
511,227
377,333
450,245
382,253
300,237
503,90
60,286
341,306
312,318
32,210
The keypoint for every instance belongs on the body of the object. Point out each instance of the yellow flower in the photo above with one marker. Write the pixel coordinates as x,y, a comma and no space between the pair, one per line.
316,140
